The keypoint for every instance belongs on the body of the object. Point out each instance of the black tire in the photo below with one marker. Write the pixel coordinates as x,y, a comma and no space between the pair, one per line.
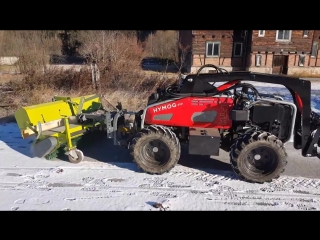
168,149
270,165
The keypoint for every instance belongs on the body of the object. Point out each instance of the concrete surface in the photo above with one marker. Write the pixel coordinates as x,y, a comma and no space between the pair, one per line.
298,166
312,79
104,151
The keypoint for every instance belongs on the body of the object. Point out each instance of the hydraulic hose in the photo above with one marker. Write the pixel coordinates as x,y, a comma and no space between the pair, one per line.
172,91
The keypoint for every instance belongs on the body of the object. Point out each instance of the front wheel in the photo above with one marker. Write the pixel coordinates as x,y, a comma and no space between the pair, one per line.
155,149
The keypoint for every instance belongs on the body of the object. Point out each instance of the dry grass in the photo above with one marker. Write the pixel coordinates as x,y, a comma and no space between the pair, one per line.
132,101
117,56
132,90
8,68
7,77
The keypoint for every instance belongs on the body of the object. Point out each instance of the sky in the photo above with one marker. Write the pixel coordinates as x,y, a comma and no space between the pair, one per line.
34,184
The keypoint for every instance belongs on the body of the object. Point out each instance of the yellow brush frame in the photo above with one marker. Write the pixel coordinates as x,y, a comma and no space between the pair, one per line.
57,118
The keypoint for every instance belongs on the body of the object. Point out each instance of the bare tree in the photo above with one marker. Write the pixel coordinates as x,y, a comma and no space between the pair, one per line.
110,51
163,44
2,33
183,53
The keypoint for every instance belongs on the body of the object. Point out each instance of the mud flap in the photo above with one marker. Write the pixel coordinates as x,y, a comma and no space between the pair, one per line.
44,147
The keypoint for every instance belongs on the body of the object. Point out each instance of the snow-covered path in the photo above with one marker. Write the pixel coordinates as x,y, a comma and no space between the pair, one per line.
37,184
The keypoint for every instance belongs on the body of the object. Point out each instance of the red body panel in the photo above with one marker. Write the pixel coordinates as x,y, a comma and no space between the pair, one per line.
205,112
227,85
299,101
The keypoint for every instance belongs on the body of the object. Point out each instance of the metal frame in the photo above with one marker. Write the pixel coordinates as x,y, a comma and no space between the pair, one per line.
194,83
111,121
291,136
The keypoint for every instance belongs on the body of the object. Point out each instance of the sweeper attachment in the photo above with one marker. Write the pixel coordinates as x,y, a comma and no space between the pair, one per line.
206,111
56,126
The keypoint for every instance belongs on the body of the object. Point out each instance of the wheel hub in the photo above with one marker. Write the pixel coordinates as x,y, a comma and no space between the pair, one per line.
261,159
156,152
257,157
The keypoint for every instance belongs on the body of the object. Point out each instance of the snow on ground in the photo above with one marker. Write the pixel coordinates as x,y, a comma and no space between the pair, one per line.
36,184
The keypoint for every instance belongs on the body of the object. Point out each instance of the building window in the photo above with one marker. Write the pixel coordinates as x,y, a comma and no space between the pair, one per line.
305,33
258,60
261,33
314,49
283,35
301,60
237,49
213,49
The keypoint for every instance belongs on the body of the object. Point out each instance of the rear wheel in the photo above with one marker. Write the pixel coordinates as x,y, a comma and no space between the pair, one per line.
258,157
155,149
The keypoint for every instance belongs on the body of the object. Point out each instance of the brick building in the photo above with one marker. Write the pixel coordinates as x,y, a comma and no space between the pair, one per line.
267,51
